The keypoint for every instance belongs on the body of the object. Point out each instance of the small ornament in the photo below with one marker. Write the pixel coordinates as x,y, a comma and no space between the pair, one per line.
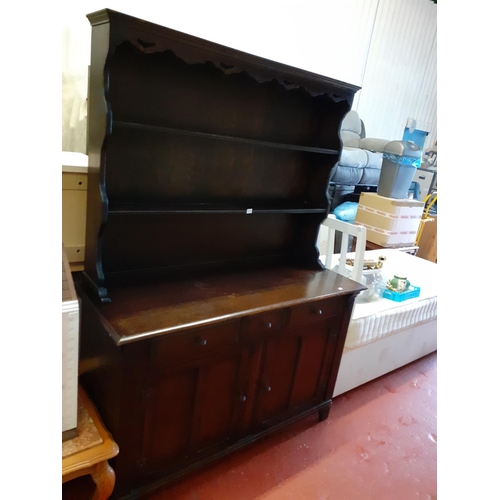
399,283
369,265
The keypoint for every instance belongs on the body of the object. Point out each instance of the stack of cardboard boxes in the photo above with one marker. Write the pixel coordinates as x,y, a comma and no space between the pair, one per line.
389,222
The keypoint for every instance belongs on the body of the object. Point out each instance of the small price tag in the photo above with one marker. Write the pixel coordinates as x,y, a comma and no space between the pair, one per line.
249,210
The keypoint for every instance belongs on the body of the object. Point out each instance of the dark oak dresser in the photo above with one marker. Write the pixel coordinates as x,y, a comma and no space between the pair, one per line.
207,319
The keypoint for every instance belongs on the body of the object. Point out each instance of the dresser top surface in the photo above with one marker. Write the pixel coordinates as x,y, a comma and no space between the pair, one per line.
143,311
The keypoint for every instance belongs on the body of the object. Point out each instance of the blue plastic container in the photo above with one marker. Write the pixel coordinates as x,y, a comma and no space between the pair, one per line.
417,136
411,293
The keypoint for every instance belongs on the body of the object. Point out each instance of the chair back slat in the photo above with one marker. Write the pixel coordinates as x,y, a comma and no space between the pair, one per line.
346,229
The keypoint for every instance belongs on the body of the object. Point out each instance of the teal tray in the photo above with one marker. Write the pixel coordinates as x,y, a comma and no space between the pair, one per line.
411,293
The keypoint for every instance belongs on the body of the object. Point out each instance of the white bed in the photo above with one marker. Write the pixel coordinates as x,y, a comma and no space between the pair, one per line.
383,334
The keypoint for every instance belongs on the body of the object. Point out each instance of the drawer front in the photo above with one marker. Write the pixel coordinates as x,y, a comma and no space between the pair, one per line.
73,180
312,312
261,325
193,343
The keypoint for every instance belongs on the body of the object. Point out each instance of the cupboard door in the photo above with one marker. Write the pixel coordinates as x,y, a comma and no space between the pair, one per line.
294,373
195,409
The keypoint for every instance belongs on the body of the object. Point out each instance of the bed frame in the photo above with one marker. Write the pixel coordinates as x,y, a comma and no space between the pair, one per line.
370,361
373,355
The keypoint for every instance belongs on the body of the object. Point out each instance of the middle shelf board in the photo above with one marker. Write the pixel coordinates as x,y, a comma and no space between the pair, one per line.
204,135
140,165
211,208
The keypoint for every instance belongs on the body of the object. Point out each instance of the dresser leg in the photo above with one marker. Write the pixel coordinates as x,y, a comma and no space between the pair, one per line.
323,414
104,479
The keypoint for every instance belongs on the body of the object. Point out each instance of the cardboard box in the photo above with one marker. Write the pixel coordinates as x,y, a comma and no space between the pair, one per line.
389,222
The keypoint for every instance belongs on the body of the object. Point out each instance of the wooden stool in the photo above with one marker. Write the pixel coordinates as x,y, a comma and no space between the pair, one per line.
89,452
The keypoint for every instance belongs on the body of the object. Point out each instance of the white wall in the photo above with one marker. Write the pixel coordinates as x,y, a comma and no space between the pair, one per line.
400,79
349,40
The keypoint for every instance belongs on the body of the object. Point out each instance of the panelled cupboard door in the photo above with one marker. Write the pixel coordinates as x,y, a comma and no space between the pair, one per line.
294,373
195,408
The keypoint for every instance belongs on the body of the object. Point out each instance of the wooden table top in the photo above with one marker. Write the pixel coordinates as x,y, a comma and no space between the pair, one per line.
93,444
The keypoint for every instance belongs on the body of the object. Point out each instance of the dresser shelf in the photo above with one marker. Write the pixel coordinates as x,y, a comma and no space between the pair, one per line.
204,135
211,208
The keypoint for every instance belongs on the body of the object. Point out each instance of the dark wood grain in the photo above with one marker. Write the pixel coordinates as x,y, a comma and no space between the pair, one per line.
177,400
149,37
208,320
164,307
188,138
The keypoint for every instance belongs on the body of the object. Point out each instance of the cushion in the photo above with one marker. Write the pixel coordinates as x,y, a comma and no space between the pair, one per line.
374,160
349,139
373,144
370,176
346,175
354,157
351,129
352,123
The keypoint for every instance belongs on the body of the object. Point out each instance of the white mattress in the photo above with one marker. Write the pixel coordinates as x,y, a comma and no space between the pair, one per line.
372,321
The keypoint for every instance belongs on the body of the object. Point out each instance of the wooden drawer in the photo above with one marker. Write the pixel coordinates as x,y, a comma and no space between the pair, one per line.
193,344
261,325
74,213
312,312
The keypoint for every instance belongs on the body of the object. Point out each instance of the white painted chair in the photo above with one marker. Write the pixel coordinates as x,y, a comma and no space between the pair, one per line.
346,230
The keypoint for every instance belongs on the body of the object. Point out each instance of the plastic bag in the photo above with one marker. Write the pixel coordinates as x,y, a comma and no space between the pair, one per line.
346,211
374,280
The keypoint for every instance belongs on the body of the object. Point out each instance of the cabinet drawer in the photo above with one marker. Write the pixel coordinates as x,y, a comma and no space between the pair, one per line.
194,343
260,325
313,312
424,178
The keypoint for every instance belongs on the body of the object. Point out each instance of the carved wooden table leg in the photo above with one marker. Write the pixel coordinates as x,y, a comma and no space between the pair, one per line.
104,478
90,450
